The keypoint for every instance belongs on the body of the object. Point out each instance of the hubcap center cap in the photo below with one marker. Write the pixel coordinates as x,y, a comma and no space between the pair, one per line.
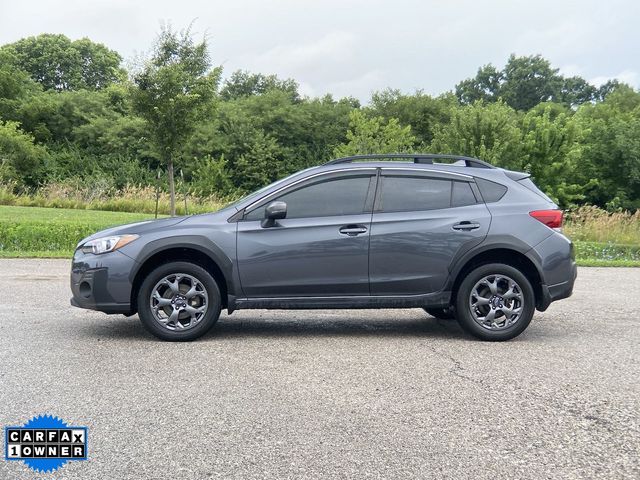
497,301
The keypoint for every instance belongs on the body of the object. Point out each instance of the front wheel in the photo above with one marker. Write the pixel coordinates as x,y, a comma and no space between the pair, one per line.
495,302
179,301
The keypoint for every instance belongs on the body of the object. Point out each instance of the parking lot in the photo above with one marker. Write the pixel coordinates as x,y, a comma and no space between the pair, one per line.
328,394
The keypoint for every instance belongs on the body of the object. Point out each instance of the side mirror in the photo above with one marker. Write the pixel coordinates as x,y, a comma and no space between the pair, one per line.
274,211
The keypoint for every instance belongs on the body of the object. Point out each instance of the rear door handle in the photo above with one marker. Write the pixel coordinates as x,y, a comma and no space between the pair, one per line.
466,225
352,230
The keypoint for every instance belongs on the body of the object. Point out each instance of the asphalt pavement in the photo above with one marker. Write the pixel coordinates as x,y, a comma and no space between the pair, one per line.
328,394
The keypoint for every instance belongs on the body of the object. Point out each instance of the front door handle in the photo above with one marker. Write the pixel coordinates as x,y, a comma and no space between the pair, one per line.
352,230
466,225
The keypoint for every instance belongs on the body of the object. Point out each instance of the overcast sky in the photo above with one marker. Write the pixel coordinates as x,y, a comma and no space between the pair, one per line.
354,47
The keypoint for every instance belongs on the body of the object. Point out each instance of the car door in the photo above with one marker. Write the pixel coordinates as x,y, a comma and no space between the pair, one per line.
320,248
421,221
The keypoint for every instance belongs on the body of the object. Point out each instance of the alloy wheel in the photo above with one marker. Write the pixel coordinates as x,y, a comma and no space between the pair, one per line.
179,301
496,302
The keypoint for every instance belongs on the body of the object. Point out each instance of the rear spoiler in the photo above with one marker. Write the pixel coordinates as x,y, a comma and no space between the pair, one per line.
517,176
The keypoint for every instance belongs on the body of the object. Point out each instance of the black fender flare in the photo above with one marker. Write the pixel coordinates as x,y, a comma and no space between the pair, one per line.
192,242
497,242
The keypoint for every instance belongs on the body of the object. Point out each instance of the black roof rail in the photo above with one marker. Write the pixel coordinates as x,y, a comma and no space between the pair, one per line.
416,157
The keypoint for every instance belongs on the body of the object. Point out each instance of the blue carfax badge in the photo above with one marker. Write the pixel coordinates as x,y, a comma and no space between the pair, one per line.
45,443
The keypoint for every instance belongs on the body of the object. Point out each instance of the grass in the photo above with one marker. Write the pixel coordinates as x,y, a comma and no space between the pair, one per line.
594,262
601,239
36,254
53,232
61,215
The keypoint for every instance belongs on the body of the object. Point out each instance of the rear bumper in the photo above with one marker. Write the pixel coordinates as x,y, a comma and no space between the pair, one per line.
101,282
555,257
551,293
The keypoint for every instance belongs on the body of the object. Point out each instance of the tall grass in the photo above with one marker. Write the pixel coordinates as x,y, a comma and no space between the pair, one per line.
593,224
132,198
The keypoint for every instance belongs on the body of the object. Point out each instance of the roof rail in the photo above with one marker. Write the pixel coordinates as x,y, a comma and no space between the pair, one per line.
416,157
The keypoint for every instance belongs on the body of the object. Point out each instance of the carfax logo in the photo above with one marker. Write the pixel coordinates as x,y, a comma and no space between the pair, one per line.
45,443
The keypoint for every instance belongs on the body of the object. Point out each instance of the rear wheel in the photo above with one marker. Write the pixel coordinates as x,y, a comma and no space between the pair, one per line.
179,301
441,313
495,302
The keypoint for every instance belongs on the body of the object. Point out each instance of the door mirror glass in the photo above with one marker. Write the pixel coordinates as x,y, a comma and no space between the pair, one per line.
274,211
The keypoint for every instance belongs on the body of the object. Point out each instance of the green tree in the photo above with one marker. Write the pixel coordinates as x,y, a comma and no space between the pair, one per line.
173,92
528,81
608,87
58,63
576,91
14,83
485,86
210,177
523,83
487,131
610,149
373,135
244,84
420,111
552,153
260,164
20,159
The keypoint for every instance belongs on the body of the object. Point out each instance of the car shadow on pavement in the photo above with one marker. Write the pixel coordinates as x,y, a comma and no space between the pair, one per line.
271,325
312,325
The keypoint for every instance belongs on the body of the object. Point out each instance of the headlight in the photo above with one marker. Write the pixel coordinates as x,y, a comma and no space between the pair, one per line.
107,244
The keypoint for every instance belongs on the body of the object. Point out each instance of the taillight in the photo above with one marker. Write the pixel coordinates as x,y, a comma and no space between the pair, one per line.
551,218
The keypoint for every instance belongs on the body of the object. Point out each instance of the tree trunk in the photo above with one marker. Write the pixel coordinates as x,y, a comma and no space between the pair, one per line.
172,187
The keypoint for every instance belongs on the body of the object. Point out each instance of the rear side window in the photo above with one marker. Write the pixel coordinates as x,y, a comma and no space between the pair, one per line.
408,194
491,191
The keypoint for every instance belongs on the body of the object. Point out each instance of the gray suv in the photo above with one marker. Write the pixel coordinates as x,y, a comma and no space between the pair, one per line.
452,235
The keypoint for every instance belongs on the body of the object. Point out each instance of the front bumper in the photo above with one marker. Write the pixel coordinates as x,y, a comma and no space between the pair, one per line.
101,282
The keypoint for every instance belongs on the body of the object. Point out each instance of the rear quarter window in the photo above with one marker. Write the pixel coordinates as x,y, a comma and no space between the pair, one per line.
490,191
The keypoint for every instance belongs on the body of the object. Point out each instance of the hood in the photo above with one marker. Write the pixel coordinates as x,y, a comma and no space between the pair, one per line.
138,227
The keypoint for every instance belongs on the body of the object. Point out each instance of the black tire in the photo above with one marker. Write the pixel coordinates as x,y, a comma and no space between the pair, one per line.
441,313
464,309
205,322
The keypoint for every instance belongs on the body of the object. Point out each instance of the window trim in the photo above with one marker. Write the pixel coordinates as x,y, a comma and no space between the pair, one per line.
312,180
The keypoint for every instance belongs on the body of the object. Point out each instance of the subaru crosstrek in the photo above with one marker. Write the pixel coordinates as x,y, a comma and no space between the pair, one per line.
452,235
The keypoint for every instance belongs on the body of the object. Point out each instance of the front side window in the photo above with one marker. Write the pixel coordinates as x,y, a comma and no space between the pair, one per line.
408,194
336,196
